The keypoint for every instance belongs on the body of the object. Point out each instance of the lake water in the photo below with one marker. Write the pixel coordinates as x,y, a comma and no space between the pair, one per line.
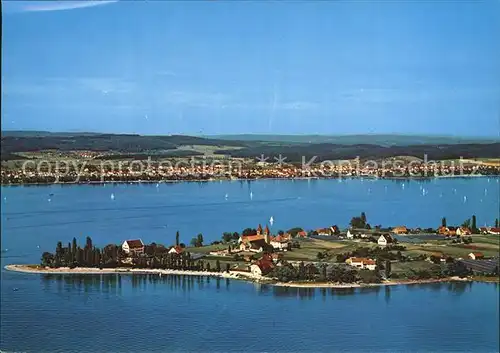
141,313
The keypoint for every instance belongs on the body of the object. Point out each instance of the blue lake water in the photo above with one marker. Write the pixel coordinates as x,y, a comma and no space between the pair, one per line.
141,313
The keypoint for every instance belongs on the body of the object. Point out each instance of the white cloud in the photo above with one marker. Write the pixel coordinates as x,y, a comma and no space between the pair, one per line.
63,5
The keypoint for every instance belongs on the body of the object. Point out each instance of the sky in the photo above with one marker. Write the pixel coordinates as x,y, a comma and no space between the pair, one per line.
233,67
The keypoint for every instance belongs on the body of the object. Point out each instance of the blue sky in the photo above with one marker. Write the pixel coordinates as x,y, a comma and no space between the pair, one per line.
217,67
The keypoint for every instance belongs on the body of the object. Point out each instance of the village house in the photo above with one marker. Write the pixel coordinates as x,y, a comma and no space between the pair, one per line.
324,231
361,263
384,239
280,243
254,243
262,266
328,231
135,246
302,234
476,255
176,250
461,231
447,231
351,233
490,230
400,230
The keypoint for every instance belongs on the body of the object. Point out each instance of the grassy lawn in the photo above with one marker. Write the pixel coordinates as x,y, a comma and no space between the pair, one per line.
486,239
309,249
402,267
454,250
207,248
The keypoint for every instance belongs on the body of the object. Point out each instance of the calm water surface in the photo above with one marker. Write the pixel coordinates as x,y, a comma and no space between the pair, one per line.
144,313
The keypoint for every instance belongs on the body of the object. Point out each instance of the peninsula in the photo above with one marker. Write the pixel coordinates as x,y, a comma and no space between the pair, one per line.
325,257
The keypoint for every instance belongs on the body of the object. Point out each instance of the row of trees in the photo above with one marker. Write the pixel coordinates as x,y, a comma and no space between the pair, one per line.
111,256
323,273
73,255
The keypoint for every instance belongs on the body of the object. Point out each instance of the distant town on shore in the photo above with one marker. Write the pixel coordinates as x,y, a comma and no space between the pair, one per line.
82,158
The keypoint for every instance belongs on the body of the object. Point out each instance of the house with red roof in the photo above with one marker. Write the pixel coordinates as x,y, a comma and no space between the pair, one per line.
302,234
463,231
361,263
262,266
135,246
490,230
476,255
254,243
280,242
176,250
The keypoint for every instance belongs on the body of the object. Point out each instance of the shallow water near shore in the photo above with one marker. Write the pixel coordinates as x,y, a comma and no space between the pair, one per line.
129,313
126,313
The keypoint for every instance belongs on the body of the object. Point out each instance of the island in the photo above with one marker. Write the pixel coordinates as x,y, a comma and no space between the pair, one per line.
360,255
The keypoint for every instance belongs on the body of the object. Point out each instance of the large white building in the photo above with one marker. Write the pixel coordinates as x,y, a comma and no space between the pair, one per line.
361,263
135,246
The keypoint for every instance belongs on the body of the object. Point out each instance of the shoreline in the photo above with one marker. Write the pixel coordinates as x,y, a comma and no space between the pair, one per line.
247,179
237,275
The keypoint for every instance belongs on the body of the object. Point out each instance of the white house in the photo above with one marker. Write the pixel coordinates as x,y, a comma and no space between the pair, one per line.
462,231
476,255
280,243
135,246
255,269
383,240
362,263
176,250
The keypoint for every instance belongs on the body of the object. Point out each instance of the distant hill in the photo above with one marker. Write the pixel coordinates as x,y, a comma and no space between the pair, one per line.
32,141
372,139
293,147
35,133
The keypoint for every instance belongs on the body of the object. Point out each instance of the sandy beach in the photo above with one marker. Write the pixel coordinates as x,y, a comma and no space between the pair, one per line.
239,275
95,271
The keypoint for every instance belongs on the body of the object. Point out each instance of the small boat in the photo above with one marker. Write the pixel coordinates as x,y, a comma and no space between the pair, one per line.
15,289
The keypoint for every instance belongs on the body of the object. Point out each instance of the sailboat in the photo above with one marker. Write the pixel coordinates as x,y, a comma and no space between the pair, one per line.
251,195
271,220
112,196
